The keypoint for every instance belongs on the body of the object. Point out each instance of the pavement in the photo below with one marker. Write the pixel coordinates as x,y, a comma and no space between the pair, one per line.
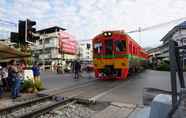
52,80
127,91
122,93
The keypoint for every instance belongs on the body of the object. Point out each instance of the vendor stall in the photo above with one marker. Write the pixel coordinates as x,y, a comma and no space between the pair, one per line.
7,53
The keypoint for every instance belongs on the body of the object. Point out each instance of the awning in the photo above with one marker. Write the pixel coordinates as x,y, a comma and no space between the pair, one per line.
7,52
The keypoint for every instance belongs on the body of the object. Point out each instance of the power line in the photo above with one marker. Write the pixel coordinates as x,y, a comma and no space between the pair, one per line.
8,22
157,26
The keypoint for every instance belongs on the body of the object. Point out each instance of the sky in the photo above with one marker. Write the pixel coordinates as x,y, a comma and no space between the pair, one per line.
86,18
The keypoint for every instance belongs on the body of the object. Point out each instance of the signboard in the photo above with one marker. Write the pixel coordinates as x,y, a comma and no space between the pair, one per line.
67,43
28,74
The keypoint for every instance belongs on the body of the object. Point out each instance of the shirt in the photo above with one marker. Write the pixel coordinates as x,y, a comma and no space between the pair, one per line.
4,73
36,71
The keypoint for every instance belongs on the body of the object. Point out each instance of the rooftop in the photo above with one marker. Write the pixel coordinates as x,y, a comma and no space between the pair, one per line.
51,29
173,30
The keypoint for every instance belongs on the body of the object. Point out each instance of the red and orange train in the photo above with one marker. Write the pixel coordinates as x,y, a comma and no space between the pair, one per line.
115,54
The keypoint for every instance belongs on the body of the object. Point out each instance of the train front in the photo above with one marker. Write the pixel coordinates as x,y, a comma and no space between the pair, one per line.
110,55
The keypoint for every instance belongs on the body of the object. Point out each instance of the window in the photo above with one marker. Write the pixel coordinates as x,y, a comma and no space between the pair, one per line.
47,40
130,47
88,46
97,47
108,46
120,45
133,50
40,42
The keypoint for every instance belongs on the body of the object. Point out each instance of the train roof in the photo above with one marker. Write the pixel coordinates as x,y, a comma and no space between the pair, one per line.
120,32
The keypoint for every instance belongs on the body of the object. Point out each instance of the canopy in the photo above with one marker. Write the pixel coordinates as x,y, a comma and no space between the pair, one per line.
7,52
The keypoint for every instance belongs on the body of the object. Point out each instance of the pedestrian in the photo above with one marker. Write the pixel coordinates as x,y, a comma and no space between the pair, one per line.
36,71
77,68
14,79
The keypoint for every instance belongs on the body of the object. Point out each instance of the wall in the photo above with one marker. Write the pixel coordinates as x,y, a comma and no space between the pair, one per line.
85,53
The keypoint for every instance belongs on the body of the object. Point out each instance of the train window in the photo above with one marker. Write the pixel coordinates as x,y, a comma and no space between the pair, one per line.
108,46
133,50
120,45
130,47
97,47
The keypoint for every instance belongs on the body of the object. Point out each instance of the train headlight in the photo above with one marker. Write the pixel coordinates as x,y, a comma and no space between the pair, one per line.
109,33
105,33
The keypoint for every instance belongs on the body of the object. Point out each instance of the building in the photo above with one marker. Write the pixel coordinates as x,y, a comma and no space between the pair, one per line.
178,33
54,46
154,52
85,50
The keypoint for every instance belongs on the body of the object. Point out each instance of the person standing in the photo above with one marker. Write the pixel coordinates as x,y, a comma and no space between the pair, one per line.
14,79
77,68
36,71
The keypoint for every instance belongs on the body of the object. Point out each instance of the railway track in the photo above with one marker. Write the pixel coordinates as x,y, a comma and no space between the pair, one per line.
45,109
12,111
35,107
48,106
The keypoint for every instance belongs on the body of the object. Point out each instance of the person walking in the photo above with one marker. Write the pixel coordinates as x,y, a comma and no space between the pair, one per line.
77,68
14,79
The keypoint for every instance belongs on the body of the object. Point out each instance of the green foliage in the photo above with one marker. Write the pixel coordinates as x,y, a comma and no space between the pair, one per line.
32,86
163,66
27,84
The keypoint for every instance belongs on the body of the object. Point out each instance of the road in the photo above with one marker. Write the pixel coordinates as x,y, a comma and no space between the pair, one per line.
128,91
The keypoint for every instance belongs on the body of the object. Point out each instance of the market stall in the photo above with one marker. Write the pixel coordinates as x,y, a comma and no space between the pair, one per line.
8,53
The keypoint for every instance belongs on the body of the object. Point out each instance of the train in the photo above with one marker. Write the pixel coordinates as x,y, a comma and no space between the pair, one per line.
116,54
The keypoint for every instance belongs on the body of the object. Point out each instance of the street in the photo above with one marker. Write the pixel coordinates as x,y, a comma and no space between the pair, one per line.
127,91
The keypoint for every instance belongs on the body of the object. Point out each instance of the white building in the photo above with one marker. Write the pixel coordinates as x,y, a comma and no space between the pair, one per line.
85,50
178,33
48,48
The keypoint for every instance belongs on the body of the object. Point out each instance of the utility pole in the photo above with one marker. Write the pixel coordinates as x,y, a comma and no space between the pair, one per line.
26,23
43,49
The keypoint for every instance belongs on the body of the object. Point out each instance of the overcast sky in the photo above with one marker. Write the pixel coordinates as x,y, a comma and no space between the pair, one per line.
86,18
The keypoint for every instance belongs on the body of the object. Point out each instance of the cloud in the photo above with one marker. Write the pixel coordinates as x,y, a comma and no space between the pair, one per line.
84,19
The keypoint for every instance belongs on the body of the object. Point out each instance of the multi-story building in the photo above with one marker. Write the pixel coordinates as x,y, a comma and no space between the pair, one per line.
85,50
178,33
54,46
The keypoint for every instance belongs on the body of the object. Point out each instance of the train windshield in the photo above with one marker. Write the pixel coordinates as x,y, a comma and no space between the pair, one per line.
108,46
120,45
97,48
